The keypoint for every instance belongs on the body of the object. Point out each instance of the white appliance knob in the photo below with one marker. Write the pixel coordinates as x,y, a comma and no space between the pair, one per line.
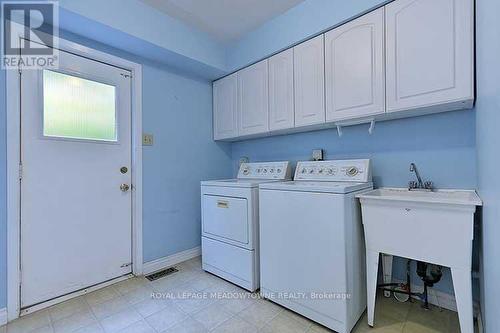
278,171
271,171
311,171
303,170
320,171
246,171
330,171
265,170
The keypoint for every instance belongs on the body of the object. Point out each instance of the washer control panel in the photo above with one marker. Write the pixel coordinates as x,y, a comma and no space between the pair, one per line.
335,170
265,170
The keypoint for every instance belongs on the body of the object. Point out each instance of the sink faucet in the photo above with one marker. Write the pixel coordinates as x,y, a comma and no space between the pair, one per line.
419,184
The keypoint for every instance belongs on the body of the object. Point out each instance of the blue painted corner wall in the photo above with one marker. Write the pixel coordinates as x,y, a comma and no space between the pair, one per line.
3,193
488,154
179,112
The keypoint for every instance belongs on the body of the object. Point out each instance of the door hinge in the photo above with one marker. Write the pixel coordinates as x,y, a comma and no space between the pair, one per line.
20,171
125,75
126,265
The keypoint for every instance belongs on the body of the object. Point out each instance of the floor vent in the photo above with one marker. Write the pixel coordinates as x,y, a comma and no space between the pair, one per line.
162,273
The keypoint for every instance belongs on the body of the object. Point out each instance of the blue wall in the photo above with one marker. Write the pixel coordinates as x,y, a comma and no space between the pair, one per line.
179,112
3,194
488,153
437,143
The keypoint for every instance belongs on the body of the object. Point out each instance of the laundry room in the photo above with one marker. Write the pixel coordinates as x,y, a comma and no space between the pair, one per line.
299,166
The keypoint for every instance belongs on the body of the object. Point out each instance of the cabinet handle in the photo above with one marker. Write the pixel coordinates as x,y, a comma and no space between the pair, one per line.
222,204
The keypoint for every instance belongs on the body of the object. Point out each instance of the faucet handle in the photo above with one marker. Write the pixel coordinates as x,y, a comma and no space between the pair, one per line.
428,185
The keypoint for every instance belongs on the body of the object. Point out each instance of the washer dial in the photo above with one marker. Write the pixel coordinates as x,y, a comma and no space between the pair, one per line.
352,171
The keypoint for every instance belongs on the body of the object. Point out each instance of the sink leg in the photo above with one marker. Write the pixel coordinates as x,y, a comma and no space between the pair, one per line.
387,271
372,258
462,283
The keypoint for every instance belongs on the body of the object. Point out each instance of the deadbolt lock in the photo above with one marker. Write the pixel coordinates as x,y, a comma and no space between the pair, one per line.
124,187
124,170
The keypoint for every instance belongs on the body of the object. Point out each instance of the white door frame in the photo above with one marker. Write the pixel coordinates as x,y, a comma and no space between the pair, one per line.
13,160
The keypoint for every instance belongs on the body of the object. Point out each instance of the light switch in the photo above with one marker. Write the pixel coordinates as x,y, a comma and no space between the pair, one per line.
147,139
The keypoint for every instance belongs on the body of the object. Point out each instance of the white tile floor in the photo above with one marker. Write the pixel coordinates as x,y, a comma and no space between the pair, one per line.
128,307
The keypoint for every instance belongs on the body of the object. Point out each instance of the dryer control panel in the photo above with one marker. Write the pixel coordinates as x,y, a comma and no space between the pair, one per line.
265,170
334,171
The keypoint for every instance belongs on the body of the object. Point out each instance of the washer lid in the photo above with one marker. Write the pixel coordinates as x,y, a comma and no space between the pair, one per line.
249,183
317,186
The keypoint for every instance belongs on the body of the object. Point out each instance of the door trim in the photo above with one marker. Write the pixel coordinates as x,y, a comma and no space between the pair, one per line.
13,160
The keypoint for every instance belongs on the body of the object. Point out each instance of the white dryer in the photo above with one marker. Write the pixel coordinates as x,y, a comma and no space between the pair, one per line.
311,242
230,216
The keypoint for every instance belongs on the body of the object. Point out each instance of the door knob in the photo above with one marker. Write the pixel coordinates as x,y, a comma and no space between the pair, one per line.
124,187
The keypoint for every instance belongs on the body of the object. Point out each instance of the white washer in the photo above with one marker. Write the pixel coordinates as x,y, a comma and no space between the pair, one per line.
311,242
230,215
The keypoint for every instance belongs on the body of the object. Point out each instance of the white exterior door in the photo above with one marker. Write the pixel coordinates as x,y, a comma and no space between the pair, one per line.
355,74
225,95
281,109
253,99
309,78
430,52
76,165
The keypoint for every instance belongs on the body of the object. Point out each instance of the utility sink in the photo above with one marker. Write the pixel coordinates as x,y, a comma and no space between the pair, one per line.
450,197
432,226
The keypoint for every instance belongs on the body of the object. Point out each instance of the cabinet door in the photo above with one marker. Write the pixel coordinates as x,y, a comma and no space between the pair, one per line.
429,52
253,101
281,109
225,95
309,79
354,60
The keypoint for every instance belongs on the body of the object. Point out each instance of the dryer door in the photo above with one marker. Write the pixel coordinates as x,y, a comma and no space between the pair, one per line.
226,219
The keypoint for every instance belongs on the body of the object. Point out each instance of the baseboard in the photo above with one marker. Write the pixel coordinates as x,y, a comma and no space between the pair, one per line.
174,259
3,316
439,298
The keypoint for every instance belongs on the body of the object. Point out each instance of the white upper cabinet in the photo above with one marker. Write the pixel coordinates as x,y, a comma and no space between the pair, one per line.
309,79
281,109
430,47
408,58
354,67
225,103
253,99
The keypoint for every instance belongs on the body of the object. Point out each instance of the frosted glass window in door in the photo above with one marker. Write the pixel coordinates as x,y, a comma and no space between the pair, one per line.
78,108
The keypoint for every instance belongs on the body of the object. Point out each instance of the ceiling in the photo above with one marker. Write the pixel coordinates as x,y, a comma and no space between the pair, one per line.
225,20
